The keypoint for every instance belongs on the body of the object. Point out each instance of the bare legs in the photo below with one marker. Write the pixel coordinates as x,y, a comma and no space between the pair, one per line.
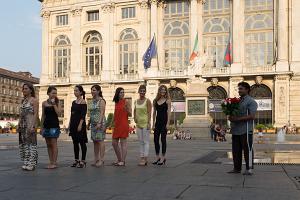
52,152
120,150
99,151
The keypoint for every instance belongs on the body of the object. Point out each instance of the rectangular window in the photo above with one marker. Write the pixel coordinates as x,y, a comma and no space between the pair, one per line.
128,12
62,20
93,15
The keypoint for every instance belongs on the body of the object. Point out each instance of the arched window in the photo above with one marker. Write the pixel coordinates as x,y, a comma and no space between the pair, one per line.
216,23
62,56
215,97
176,94
263,95
128,52
260,91
176,35
258,33
217,93
93,53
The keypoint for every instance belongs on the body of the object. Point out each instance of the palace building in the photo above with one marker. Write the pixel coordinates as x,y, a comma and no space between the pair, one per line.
11,84
103,42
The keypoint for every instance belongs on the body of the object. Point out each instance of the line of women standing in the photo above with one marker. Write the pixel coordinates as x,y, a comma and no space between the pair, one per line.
50,130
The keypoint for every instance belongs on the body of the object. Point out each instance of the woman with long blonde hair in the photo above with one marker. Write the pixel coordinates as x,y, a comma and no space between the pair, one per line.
161,122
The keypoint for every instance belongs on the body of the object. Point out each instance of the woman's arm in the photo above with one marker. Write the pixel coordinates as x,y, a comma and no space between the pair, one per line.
154,114
169,112
57,107
102,113
134,112
35,112
128,108
149,110
82,117
43,115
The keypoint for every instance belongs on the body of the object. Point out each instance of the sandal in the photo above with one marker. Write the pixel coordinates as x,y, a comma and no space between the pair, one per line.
120,164
75,163
81,164
99,163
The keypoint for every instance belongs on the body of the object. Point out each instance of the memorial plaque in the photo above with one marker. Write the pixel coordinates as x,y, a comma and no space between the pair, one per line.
196,107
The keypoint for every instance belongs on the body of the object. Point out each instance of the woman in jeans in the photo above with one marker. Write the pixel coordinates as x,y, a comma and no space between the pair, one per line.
142,118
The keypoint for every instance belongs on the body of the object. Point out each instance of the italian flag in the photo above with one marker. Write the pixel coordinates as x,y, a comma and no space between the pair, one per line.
195,50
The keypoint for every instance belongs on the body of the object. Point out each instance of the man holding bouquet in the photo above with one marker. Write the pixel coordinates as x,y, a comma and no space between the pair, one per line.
242,123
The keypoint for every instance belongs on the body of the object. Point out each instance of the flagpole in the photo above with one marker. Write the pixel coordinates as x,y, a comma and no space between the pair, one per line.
156,52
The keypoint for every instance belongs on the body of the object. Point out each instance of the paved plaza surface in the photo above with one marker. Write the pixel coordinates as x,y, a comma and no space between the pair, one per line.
195,169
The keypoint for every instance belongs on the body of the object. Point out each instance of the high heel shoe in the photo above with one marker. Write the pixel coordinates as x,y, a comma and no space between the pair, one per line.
75,163
162,163
81,164
156,162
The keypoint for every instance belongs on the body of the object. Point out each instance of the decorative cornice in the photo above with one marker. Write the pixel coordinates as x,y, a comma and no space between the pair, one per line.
162,4
144,4
108,7
76,11
282,77
45,14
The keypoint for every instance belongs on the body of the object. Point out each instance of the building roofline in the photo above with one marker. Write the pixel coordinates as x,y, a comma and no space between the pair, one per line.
19,76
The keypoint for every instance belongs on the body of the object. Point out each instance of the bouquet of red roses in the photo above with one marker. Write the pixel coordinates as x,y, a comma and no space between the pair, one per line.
230,106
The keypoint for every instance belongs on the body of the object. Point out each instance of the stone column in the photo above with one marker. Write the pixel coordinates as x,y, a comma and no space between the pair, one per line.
153,30
75,74
143,34
160,35
282,34
282,100
110,67
294,31
193,23
200,25
45,74
237,36
233,86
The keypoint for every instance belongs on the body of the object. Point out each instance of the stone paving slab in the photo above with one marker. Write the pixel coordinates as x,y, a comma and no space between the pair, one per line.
179,179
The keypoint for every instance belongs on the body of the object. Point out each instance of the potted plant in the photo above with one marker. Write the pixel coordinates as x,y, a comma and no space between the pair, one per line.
181,118
38,127
270,128
110,123
260,127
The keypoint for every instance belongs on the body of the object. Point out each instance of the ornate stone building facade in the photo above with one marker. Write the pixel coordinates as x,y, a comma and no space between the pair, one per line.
11,84
103,41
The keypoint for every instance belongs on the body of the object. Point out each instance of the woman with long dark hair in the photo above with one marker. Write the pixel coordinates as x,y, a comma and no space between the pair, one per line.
77,126
161,122
97,125
50,125
26,128
121,129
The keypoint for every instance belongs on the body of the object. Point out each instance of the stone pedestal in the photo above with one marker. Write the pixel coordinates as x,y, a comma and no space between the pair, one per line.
197,118
281,100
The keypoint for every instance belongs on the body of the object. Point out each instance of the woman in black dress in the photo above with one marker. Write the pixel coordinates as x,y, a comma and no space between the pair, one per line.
50,125
77,126
161,122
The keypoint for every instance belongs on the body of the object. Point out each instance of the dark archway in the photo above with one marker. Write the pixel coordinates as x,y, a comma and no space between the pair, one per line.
263,96
178,104
216,95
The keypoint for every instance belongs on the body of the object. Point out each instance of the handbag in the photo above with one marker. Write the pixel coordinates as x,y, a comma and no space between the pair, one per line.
51,133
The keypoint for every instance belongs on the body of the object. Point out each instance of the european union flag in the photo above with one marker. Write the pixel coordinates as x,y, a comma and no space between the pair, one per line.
149,54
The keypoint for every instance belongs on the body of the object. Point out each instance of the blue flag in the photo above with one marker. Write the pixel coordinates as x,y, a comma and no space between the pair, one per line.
149,54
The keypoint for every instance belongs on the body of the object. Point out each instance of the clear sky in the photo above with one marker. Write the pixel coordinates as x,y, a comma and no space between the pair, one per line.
20,35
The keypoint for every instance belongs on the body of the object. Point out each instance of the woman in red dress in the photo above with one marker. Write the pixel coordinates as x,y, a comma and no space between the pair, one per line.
121,129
